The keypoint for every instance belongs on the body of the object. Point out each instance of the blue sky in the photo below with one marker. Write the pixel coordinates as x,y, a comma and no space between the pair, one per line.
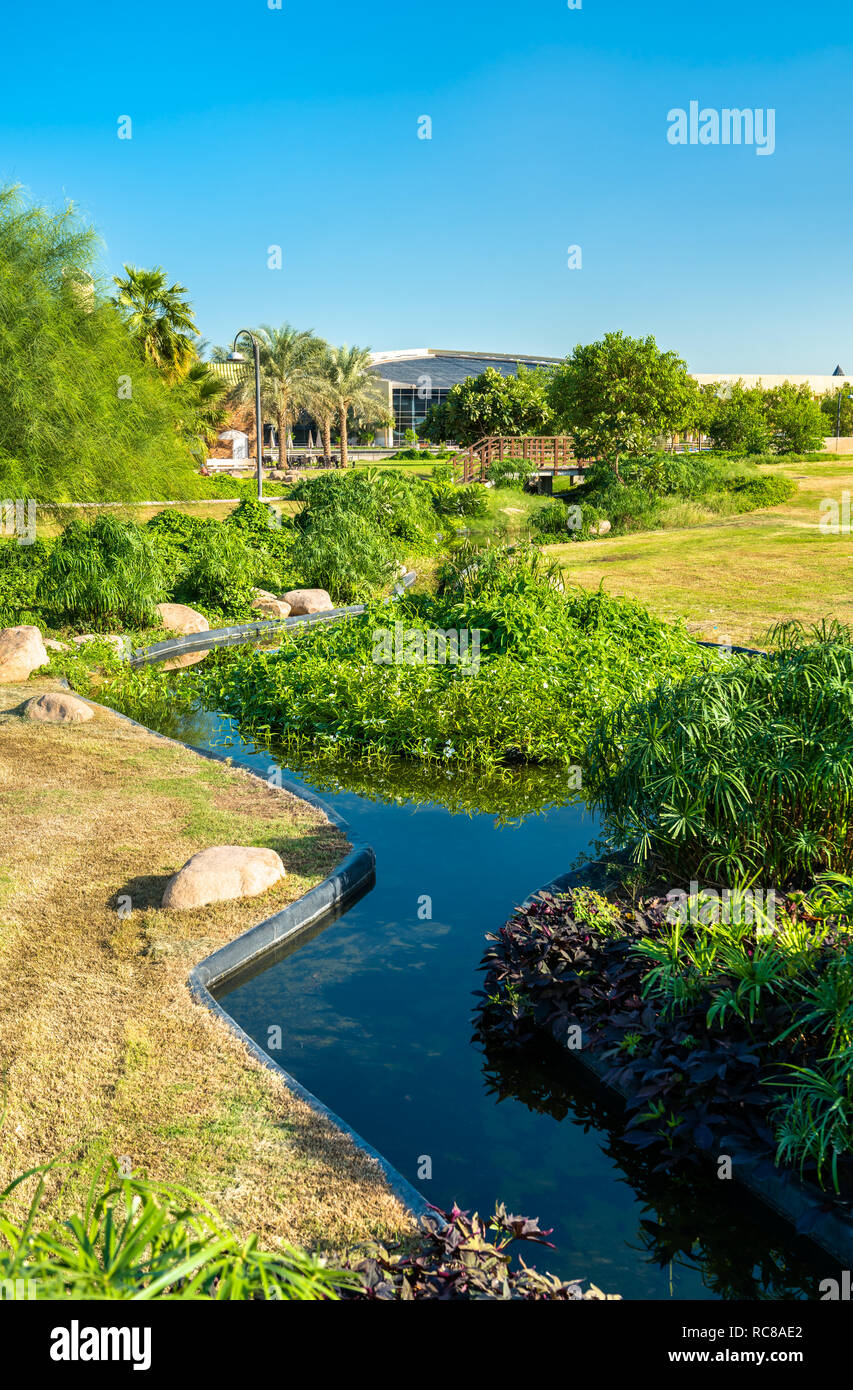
298,127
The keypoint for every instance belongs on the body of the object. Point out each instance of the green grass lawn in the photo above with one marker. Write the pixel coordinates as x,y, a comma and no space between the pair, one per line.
734,577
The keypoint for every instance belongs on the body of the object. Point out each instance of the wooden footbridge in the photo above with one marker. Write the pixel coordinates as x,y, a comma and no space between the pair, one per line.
549,456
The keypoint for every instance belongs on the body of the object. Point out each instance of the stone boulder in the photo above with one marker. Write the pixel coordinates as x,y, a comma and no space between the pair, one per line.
179,618
223,872
602,528
57,707
21,652
177,663
53,646
272,607
308,601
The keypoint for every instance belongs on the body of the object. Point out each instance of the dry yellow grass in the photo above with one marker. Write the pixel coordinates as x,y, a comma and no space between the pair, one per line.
103,1049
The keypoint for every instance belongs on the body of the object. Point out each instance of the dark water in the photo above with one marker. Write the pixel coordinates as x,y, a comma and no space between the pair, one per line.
375,1014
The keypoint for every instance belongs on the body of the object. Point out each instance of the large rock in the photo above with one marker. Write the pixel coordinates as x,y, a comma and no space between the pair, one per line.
272,607
53,646
308,601
226,871
57,707
177,663
179,618
21,652
602,528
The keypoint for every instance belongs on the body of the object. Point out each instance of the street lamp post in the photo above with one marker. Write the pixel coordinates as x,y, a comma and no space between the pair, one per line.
236,356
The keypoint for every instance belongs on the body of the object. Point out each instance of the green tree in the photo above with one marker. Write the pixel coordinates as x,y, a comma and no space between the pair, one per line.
492,403
83,416
740,420
159,318
354,390
795,418
619,395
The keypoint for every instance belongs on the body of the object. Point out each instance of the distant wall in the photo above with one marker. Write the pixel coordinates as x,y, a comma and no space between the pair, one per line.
842,445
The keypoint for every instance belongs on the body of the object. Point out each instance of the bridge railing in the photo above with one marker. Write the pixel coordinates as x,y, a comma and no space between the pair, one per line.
554,452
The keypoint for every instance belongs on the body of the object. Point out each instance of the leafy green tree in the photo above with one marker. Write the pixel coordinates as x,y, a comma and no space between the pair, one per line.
434,427
159,318
795,418
619,395
740,421
492,403
83,415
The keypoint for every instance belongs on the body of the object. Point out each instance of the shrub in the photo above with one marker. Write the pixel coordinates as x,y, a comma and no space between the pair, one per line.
454,499
221,571
21,569
344,553
66,431
744,769
547,665
752,493
509,472
552,520
106,574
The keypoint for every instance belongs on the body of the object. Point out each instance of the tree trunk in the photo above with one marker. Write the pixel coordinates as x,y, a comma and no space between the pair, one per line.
281,428
342,416
327,436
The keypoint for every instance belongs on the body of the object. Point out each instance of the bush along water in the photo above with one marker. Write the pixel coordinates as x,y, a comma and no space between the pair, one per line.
722,999
727,1024
500,667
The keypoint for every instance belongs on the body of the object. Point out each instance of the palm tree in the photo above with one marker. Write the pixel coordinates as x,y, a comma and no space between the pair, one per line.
322,404
205,395
159,317
290,361
352,387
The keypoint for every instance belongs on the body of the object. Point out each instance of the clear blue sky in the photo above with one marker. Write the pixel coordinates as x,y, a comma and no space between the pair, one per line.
254,126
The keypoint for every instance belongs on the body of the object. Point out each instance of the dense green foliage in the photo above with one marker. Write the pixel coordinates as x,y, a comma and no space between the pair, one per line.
82,415
619,395
108,574
548,664
491,403
651,491
752,420
508,471
742,770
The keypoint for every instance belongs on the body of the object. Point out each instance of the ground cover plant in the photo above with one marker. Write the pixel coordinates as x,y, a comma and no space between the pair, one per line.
547,664
722,1028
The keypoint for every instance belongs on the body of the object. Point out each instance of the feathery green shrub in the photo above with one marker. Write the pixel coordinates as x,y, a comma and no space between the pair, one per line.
743,769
